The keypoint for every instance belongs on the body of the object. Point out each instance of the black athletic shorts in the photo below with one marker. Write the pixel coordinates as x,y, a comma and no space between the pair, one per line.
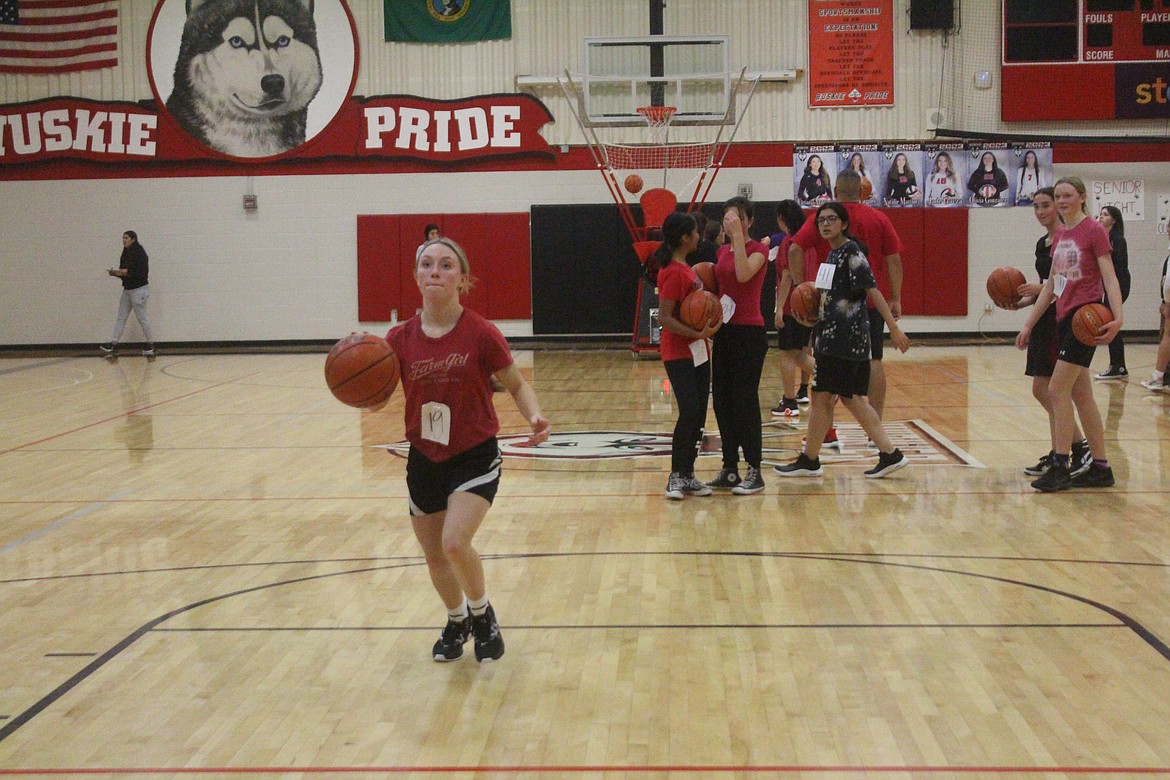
1042,345
1069,349
793,335
475,471
842,377
877,334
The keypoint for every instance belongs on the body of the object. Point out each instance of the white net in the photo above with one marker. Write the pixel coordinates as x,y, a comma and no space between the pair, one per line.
664,156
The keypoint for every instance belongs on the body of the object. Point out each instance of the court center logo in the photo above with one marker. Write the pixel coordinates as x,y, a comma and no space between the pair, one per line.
448,10
576,445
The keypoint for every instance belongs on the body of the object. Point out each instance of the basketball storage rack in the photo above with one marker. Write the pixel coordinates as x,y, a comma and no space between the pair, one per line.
666,108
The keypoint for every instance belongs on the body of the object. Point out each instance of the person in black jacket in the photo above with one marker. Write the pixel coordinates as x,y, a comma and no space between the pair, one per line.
988,183
1111,219
133,269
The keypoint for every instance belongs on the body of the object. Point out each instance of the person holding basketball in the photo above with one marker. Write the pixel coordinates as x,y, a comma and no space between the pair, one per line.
841,344
901,184
740,348
942,185
1042,346
1082,272
792,337
683,350
988,183
815,185
884,253
448,356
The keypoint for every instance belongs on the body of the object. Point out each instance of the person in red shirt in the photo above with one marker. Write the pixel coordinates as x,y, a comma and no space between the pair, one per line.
1082,272
739,350
884,253
448,356
683,350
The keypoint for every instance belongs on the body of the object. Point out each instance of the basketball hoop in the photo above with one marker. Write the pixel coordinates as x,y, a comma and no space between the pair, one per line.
657,116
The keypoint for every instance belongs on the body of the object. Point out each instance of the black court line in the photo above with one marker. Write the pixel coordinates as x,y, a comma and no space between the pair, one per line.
70,655
636,627
1147,636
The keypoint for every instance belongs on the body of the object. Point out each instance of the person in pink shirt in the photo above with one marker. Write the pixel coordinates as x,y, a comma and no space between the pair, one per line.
1082,272
449,355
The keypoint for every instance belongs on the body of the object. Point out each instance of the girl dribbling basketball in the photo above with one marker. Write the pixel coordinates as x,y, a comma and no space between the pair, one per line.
448,356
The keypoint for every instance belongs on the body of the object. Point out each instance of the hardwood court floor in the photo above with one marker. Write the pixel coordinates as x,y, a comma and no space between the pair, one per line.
206,566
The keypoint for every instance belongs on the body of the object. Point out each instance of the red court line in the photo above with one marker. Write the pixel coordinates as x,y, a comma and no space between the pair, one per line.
537,769
124,414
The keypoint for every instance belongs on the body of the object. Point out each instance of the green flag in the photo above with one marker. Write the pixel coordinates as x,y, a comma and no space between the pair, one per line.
447,21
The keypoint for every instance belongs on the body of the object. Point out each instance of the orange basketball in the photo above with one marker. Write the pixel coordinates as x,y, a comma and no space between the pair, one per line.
1087,322
1002,285
706,273
699,309
866,189
633,184
361,370
806,303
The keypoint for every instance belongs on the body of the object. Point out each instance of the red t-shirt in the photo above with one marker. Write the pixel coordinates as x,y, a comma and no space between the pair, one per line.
745,294
810,269
1074,256
675,282
454,370
871,226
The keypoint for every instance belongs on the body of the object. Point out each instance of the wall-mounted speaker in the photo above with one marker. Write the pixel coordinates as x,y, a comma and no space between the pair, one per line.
932,14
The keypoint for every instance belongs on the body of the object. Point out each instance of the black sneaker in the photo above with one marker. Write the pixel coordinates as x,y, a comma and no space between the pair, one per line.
109,347
1094,476
727,479
455,635
693,487
803,466
1041,467
1113,372
802,395
489,645
752,483
786,408
1056,478
888,463
675,487
148,350
1080,459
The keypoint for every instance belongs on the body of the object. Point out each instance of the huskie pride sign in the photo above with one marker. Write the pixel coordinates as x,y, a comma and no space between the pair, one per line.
261,80
391,126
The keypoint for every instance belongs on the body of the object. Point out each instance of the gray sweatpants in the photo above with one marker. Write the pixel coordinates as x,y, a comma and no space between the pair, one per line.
133,299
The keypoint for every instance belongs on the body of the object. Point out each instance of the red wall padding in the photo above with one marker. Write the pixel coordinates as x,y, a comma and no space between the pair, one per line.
498,248
944,268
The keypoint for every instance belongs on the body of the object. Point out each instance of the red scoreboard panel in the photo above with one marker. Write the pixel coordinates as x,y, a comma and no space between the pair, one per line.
1085,59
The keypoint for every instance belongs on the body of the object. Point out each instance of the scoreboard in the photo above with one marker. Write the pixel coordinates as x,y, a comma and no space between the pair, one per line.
1085,59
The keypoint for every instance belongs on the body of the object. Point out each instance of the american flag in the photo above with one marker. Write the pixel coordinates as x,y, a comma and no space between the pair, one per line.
58,36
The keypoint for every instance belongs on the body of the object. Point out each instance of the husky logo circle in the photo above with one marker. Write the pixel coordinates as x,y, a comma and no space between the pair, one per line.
448,10
252,78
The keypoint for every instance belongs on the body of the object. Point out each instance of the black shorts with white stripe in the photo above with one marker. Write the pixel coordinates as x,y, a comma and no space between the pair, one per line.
430,484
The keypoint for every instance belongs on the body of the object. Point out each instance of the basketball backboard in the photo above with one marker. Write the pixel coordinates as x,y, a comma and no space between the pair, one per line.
691,73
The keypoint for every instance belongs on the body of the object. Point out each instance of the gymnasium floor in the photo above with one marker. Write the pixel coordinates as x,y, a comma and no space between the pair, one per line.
206,567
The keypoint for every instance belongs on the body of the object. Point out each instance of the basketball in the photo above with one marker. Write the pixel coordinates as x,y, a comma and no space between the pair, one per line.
699,309
361,370
633,184
1002,285
706,273
1087,322
806,303
866,189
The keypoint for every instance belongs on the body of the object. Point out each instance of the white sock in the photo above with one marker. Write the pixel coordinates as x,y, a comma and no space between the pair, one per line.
1159,376
459,613
478,606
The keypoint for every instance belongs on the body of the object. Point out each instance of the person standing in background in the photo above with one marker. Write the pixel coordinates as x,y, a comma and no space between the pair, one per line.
1111,219
134,271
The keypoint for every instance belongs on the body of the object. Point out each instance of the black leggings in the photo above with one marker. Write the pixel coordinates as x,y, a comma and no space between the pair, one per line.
692,387
737,365
1117,346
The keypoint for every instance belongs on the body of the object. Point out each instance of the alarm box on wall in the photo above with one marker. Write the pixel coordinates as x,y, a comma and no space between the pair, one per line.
932,14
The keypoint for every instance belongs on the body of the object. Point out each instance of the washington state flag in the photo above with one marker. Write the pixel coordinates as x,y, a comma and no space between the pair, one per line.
447,21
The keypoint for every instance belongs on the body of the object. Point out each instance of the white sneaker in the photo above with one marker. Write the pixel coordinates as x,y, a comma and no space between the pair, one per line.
1155,385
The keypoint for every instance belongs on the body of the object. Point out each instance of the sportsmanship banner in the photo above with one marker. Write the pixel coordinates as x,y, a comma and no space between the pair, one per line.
932,175
850,53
